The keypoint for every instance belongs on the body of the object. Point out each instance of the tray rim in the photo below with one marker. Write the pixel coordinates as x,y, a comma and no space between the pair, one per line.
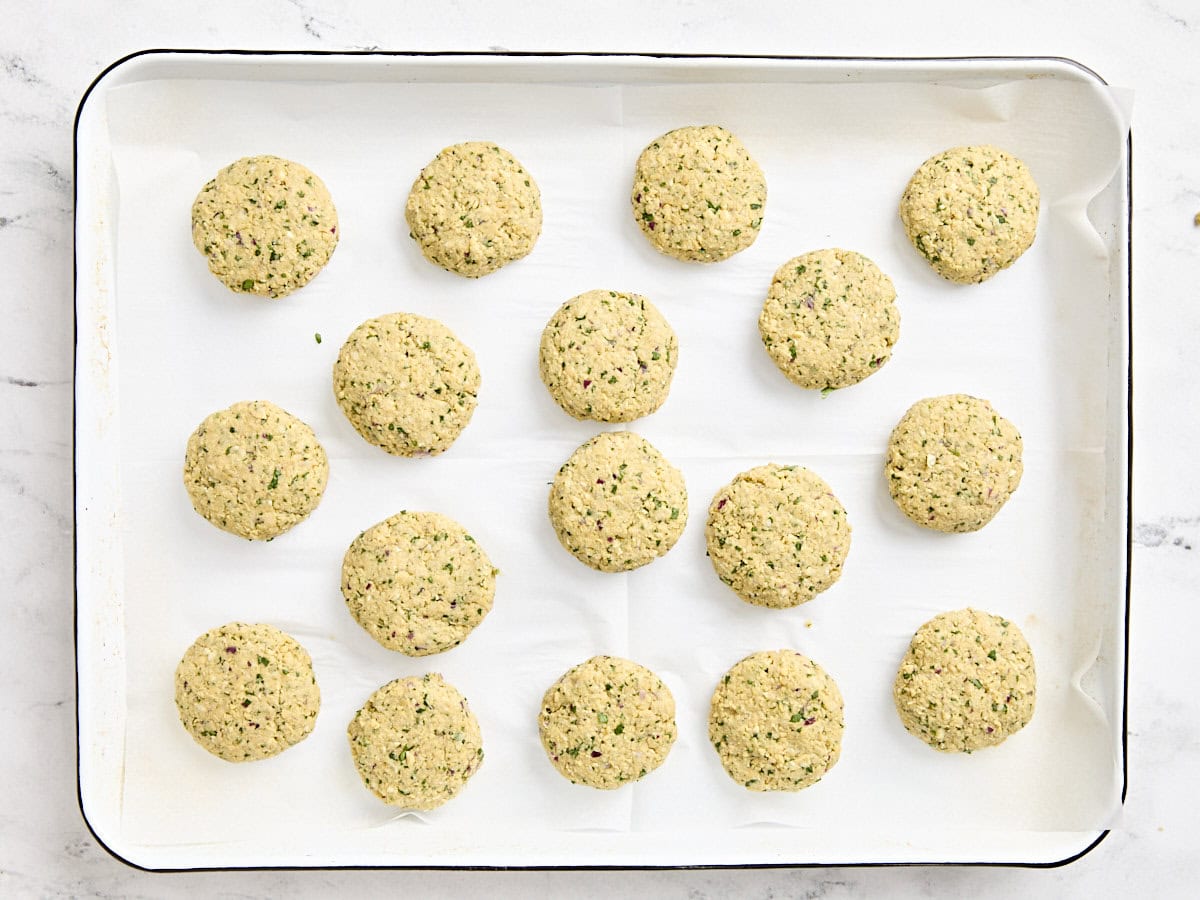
1087,72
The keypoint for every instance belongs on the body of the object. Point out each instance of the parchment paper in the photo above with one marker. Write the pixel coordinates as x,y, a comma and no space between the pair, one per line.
1036,340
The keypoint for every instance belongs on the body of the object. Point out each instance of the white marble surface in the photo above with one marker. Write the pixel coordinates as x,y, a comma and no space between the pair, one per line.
47,59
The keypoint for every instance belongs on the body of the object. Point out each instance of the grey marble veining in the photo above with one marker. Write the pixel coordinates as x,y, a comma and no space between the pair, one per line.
49,55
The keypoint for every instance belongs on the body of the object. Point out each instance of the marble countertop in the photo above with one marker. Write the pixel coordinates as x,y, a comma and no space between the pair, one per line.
47,60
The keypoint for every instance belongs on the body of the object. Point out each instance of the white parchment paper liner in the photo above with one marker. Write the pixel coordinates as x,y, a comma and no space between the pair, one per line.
1035,341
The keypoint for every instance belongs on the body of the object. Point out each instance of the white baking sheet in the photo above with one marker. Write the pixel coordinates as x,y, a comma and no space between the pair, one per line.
1043,341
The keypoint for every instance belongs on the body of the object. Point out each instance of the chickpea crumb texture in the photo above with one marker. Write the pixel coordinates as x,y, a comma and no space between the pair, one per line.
776,721
967,682
406,383
617,503
417,582
266,226
474,209
777,535
830,319
698,195
953,462
415,742
608,356
971,212
254,470
607,722
246,692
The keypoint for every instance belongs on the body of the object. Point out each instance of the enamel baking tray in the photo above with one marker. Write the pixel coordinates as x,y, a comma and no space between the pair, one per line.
160,344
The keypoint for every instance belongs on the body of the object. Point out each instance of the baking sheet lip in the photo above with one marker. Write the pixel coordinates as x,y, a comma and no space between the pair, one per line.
1128,462
1128,162
567,54
645,867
